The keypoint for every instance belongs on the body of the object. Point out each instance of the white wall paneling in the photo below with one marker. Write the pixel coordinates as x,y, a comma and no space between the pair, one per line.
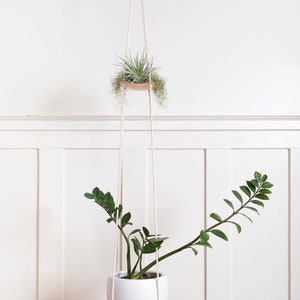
294,223
180,196
18,224
254,248
217,187
51,218
56,245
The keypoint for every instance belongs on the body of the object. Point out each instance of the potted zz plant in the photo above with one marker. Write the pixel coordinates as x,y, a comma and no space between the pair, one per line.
138,73
128,285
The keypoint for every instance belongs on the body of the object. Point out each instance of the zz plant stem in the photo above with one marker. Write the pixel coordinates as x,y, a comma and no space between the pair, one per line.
256,191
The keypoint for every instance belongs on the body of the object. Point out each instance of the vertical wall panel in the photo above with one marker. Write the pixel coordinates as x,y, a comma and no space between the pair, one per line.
180,197
18,224
88,239
295,223
259,256
218,258
51,187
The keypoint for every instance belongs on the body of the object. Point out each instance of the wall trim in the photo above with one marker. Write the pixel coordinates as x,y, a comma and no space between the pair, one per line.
141,123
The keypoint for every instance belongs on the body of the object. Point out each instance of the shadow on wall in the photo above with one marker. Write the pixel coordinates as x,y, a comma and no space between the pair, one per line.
73,100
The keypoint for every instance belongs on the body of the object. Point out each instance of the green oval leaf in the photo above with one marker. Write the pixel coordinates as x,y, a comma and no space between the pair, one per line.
114,213
267,185
134,231
97,193
246,190
125,219
252,208
238,196
89,195
157,239
219,234
203,243
136,250
151,247
237,226
265,191
229,203
258,203
137,243
216,217
262,197
194,250
264,178
146,231
251,186
254,182
204,236
257,176
246,217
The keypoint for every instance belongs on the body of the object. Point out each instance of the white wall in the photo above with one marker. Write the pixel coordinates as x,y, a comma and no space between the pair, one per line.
219,57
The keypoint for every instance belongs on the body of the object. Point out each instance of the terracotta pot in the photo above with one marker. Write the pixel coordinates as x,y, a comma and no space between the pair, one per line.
137,86
139,289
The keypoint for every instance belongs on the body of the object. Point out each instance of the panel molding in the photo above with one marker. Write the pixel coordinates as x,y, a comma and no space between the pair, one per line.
215,136
141,123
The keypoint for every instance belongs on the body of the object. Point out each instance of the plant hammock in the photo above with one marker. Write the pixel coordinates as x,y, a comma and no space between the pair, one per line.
136,73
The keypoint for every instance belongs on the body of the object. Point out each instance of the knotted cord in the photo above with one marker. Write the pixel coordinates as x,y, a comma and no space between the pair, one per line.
118,242
152,144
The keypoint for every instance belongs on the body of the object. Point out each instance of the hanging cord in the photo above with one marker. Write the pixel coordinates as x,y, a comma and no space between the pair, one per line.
154,188
144,28
152,147
128,29
118,242
118,239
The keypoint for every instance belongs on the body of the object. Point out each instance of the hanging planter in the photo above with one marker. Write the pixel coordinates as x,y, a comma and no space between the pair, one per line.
143,289
138,73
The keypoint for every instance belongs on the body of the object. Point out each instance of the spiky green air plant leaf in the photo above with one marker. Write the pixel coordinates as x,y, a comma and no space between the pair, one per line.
137,69
143,243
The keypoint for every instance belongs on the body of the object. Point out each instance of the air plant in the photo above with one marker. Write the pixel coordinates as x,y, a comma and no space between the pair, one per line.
139,70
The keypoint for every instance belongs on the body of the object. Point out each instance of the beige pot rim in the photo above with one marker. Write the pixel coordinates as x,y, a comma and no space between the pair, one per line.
137,86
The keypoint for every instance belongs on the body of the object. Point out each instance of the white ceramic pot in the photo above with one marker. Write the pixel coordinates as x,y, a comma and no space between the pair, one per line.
139,289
